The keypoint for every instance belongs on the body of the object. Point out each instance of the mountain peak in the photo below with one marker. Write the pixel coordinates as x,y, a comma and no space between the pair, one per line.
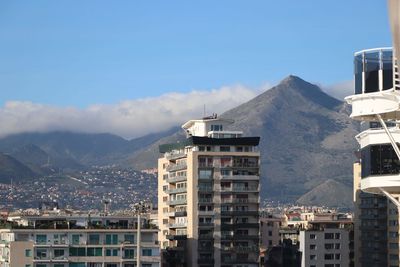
308,90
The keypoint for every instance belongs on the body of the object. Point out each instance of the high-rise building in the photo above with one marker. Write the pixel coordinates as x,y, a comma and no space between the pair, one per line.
208,196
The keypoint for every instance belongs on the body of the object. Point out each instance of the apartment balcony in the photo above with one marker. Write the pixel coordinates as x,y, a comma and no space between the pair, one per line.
206,165
208,236
177,190
230,226
240,237
176,179
205,200
177,225
245,165
240,200
206,212
241,177
239,260
176,237
239,212
205,189
206,224
177,202
241,249
174,156
255,189
176,167
205,261
177,214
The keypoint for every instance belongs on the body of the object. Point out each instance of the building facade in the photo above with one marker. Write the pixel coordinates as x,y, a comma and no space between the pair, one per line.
208,197
78,241
326,244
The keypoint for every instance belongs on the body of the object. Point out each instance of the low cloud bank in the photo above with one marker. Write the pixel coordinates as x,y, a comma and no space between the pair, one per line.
129,118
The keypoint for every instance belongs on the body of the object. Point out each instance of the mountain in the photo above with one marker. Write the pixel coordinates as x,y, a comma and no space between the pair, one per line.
74,151
307,139
12,169
341,198
306,135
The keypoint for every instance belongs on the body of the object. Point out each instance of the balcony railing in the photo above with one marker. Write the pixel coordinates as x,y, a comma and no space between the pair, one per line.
177,225
177,190
205,200
240,177
240,189
173,156
176,179
177,202
176,167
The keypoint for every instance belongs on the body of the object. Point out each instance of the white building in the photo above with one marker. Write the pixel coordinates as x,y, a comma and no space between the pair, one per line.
326,244
79,241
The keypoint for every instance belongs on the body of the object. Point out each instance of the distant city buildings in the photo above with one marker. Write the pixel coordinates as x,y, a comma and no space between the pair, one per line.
208,197
306,237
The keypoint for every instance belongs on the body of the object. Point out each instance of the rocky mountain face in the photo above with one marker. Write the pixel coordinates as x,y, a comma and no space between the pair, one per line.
306,135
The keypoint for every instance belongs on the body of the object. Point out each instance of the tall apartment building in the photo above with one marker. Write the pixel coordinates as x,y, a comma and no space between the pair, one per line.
208,197
78,241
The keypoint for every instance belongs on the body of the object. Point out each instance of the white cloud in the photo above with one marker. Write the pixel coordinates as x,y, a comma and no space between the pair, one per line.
340,90
129,119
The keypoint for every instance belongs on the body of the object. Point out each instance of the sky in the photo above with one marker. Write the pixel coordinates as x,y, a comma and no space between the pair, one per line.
94,66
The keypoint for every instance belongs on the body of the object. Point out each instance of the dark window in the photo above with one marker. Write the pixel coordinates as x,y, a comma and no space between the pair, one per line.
371,72
358,69
378,160
329,235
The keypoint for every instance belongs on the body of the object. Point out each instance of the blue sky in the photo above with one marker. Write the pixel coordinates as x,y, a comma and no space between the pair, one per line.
80,53
135,67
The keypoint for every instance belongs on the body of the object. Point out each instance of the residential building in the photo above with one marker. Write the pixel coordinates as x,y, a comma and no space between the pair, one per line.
77,240
208,196
326,243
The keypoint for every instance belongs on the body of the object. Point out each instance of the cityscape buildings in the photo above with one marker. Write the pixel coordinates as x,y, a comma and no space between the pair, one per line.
78,240
208,196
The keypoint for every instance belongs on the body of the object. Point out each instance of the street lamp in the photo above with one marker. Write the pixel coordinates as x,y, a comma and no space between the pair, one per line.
139,208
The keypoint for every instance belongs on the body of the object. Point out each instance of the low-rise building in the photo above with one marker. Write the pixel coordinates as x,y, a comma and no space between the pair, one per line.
70,240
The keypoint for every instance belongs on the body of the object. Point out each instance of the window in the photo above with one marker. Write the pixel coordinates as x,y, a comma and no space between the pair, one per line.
94,252
337,256
329,257
41,253
58,253
146,252
329,235
337,235
337,246
129,253
313,257
312,246
129,239
394,245
28,253
76,252
112,239
312,236
28,265
94,239
75,239
225,148
41,239
59,265
205,174
112,252
329,246
269,233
